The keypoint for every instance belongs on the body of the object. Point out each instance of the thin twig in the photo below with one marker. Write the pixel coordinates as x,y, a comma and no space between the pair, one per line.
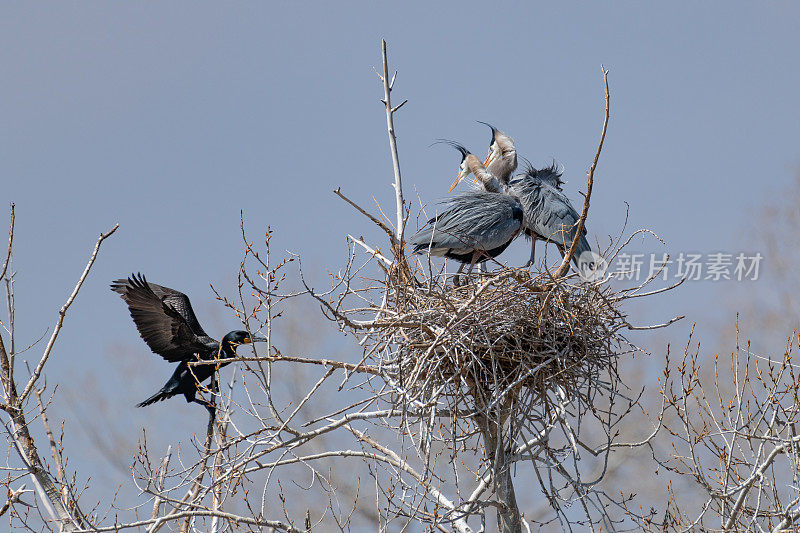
338,192
63,313
10,244
562,270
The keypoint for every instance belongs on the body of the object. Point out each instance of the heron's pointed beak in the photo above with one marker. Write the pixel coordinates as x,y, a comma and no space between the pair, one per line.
461,175
493,155
453,186
254,339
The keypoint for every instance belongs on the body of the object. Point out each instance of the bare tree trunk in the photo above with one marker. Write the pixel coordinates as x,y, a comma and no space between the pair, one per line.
62,508
491,422
508,516
30,457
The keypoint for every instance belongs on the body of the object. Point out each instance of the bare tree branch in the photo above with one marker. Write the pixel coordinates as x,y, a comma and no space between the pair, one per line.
63,313
564,268
387,101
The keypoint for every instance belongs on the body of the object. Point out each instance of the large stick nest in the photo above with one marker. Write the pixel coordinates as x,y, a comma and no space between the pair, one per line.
502,336
515,345
510,339
505,333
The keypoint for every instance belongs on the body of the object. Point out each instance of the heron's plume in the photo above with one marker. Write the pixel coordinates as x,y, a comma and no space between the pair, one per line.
457,146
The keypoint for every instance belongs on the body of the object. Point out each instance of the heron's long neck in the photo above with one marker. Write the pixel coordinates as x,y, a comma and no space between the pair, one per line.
504,166
487,178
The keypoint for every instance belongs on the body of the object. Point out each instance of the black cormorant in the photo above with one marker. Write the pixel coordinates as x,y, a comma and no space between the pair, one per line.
167,323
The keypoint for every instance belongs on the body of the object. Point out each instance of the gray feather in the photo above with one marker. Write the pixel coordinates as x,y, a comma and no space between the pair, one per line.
470,221
548,213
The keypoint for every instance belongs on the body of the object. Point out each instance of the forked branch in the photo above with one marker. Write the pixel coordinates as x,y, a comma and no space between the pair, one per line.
62,509
387,101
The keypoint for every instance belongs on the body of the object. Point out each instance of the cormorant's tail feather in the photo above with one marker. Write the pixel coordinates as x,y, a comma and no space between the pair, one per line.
157,397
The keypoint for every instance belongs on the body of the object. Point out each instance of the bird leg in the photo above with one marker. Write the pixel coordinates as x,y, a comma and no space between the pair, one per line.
456,280
212,409
191,397
475,256
208,404
533,254
214,393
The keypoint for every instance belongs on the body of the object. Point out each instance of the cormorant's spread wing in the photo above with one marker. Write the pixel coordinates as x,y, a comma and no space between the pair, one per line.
164,318
180,303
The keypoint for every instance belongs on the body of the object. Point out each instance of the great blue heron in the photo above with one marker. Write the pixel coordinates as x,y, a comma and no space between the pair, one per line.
500,163
473,226
502,159
470,164
167,323
548,213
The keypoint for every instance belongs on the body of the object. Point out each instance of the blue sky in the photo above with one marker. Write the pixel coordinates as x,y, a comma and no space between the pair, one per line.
170,118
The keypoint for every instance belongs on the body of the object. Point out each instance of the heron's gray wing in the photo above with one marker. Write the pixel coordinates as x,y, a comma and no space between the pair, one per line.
165,328
470,221
548,212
